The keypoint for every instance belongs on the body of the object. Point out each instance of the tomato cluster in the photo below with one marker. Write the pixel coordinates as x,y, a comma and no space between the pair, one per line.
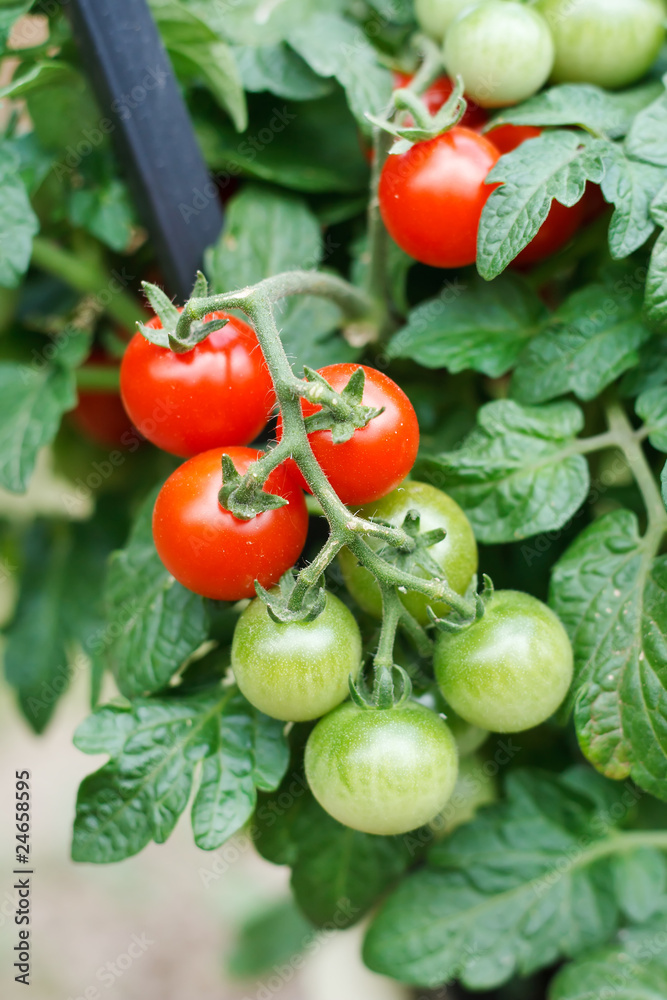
432,195
383,771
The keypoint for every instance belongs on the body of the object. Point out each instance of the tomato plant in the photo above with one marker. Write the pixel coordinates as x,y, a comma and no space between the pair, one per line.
218,393
214,553
432,196
377,457
381,771
503,50
610,43
296,670
462,338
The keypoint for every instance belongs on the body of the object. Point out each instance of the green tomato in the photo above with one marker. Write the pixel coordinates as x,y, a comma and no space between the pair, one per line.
381,771
475,787
610,43
300,670
511,669
468,738
435,16
456,554
503,51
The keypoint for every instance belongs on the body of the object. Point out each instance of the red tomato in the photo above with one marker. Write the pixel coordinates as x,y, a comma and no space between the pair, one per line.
438,93
431,198
212,552
101,416
378,456
560,224
218,394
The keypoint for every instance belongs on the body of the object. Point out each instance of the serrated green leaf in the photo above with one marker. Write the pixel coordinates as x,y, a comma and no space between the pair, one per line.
651,406
280,70
647,138
631,186
18,222
154,623
480,326
106,211
592,339
58,619
632,968
267,232
656,283
640,881
518,472
334,46
583,104
33,400
511,892
155,747
557,165
611,595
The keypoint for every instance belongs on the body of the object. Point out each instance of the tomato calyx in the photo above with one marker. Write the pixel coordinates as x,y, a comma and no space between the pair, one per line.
391,688
422,124
168,335
287,603
458,623
342,412
244,495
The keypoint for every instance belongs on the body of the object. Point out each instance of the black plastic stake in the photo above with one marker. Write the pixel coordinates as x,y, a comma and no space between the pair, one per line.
136,90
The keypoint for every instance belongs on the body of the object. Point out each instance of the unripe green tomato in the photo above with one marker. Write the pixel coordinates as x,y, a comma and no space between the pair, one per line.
511,669
610,43
300,670
474,788
381,771
468,738
503,51
435,16
456,554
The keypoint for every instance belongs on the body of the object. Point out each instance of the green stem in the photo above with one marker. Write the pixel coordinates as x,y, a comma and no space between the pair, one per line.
392,611
627,440
309,576
88,278
621,842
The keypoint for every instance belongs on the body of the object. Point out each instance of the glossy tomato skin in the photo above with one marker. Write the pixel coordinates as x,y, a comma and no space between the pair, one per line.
561,223
101,416
435,16
503,51
610,43
432,196
510,670
378,456
381,771
218,394
438,94
300,670
456,554
212,552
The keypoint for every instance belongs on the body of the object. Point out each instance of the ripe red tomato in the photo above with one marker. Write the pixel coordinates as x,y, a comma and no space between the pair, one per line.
562,221
378,456
212,552
101,416
438,93
218,394
432,196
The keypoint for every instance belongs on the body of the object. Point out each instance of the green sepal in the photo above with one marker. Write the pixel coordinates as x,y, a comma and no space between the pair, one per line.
256,502
427,126
278,602
169,316
391,688
342,413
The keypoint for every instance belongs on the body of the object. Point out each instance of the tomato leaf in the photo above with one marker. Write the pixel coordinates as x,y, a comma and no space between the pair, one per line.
592,339
646,139
582,104
473,325
631,186
640,882
270,939
267,232
280,70
517,473
154,624
632,967
556,165
611,595
33,399
511,892
656,283
155,747
651,406
18,222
